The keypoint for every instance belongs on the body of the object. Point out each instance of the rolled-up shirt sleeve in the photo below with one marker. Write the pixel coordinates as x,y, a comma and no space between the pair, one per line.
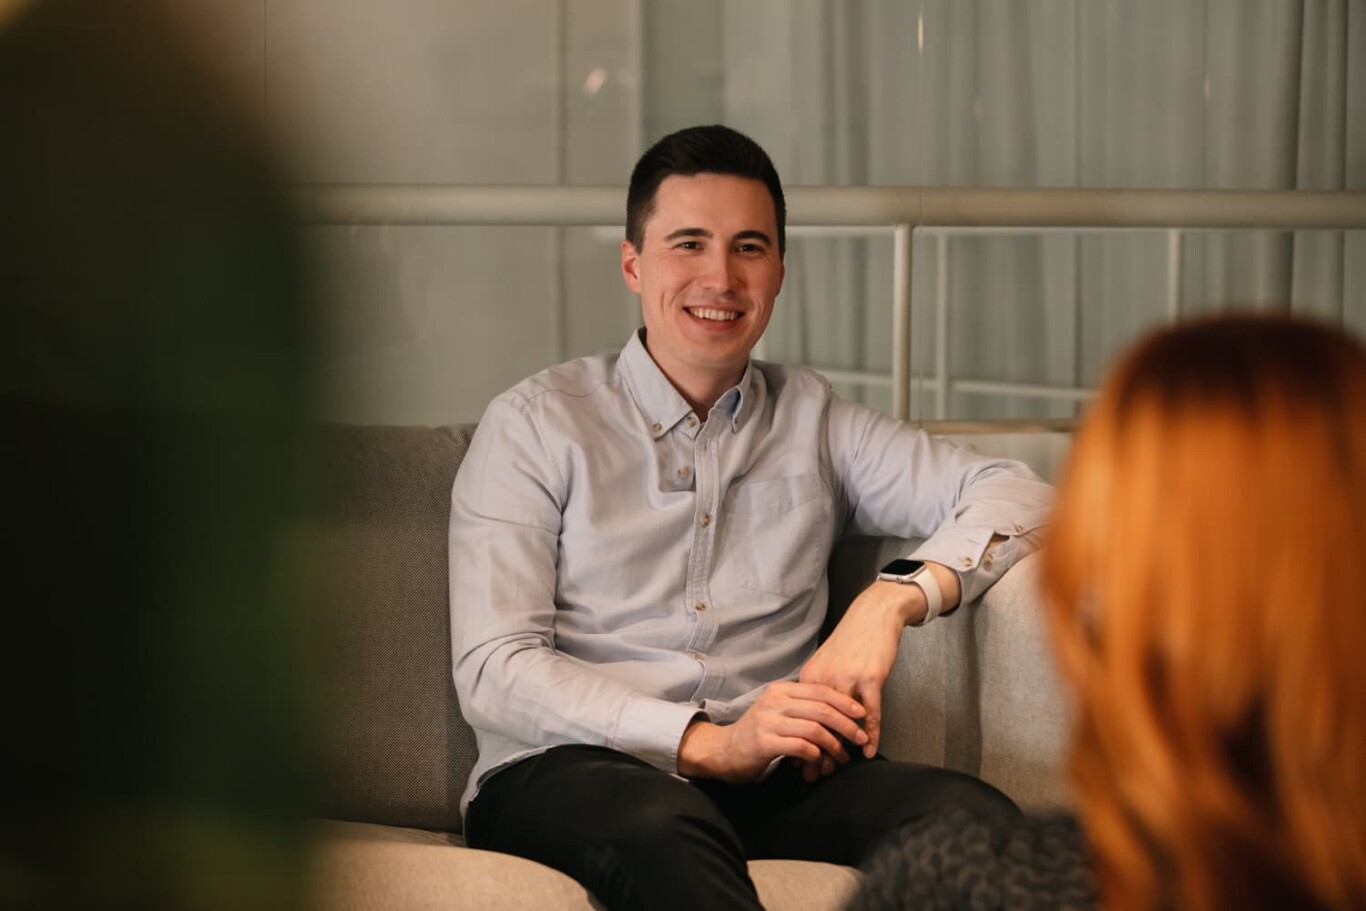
898,480
506,505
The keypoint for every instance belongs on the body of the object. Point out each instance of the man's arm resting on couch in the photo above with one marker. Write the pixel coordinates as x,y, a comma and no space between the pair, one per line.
980,514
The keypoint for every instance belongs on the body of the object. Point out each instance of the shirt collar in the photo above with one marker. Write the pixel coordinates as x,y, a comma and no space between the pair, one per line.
747,395
663,405
656,397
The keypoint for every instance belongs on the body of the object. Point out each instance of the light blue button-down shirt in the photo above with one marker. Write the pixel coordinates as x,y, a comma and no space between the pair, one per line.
619,565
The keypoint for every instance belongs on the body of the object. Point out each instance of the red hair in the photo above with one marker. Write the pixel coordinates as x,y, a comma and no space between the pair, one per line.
1207,599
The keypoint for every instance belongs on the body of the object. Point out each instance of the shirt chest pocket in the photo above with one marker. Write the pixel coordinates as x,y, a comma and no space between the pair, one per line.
779,533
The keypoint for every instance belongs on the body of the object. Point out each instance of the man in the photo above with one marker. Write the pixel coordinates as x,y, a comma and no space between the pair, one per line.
638,551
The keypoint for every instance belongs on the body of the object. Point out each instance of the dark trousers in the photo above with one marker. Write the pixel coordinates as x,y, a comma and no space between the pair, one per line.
637,837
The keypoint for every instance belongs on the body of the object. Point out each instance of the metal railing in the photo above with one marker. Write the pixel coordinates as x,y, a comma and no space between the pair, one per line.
900,210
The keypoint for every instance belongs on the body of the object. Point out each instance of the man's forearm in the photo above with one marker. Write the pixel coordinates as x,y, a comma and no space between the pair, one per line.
540,698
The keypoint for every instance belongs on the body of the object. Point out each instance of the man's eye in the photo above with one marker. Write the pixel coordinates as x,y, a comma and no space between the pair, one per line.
750,248
689,245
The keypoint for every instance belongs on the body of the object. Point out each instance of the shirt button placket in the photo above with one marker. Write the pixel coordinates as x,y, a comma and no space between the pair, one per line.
707,484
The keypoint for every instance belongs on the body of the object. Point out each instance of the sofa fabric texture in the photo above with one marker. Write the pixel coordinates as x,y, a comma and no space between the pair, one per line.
398,751
974,691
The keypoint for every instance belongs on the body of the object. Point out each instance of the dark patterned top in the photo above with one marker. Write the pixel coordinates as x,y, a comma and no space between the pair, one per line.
958,860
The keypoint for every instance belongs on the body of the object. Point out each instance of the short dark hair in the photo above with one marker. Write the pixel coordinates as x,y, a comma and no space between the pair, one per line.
700,150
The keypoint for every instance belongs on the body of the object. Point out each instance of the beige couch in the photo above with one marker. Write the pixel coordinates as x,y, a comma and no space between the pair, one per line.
974,691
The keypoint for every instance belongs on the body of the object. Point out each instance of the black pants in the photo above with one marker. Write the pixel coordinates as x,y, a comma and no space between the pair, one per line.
637,837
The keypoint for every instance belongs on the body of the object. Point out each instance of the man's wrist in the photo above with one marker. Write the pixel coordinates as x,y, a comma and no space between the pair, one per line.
905,604
909,604
697,747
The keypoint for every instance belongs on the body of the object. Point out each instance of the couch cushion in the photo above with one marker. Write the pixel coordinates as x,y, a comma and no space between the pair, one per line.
382,867
397,749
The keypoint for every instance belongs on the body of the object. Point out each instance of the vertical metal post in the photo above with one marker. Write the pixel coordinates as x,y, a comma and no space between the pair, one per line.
1173,275
941,326
901,322
559,316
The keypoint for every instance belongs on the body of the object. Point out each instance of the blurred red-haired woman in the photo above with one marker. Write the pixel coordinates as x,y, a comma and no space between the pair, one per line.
1207,598
1206,590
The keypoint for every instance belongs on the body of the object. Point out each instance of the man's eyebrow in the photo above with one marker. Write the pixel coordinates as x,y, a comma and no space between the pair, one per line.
688,232
703,232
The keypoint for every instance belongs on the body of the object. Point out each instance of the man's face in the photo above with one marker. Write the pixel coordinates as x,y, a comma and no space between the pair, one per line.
707,274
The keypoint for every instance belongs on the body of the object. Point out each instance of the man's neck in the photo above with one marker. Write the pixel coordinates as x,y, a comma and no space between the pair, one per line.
700,390
702,404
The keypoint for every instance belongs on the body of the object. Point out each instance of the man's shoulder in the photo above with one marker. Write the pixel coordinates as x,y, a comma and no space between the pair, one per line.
570,381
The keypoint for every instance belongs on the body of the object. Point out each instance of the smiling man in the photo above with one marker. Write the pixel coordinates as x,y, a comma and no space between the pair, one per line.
638,551
707,271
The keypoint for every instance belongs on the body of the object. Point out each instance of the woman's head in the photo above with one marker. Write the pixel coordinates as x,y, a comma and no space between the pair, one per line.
1207,590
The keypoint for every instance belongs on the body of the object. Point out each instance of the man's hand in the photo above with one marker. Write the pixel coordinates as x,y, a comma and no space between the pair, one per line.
858,656
799,720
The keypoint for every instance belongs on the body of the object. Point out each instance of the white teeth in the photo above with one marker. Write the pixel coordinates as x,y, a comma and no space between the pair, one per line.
724,315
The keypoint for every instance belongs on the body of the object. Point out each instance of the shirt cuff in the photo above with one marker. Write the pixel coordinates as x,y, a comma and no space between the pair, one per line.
964,550
650,729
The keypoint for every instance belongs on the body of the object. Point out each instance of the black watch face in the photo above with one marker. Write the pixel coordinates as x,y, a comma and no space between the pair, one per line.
903,567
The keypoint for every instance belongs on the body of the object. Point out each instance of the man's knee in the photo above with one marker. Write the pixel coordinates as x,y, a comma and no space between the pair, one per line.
893,793
958,789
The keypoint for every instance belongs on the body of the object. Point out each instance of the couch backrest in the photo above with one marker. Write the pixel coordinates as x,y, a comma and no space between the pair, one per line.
396,748
398,751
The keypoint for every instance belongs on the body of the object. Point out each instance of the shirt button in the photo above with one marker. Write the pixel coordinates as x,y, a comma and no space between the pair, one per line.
692,421
967,562
683,472
1018,528
656,427
706,519
699,606
987,559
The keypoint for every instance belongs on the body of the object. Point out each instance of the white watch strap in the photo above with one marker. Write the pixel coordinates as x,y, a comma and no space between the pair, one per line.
934,598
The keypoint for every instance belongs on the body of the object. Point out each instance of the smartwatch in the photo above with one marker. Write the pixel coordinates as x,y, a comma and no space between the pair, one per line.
915,572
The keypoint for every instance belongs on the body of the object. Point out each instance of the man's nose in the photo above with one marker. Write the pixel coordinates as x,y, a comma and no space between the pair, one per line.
719,273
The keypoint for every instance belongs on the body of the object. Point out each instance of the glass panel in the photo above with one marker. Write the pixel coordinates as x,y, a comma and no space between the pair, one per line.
424,325
430,322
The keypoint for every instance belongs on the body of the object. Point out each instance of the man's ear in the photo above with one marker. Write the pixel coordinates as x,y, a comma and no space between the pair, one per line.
630,266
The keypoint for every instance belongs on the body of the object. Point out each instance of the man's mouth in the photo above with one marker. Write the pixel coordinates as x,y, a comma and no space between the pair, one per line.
717,315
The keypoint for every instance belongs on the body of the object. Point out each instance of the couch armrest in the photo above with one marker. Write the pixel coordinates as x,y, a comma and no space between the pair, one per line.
977,691
1024,711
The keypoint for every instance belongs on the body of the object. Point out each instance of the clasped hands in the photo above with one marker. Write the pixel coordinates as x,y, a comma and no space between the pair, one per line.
836,700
